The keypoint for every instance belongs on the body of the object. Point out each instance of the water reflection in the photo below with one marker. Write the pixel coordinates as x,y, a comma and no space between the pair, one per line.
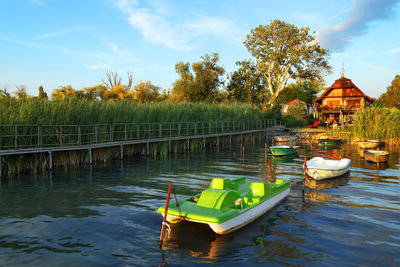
327,183
105,215
374,166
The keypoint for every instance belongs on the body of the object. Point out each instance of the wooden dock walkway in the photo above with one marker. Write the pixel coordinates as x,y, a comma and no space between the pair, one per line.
118,135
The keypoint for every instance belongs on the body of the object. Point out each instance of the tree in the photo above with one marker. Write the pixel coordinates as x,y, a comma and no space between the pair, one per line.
4,93
21,92
117,92
145,92
282,52
304,90
113,79
94,92
203,85
247,84
391,98
62,92
297,109
42,93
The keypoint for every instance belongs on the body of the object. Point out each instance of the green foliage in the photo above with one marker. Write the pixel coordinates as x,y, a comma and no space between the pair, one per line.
145,92
391,98
376,122
75,111
247,84
297,109
203,85
304,90
42,93
284,52
293,122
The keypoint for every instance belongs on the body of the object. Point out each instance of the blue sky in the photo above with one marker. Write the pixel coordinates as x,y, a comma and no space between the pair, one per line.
54,43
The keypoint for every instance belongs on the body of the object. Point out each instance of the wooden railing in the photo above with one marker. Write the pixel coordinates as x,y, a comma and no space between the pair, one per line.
326,108
20,136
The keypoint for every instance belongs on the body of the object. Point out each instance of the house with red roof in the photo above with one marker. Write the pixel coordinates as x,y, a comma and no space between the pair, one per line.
342,98
285,106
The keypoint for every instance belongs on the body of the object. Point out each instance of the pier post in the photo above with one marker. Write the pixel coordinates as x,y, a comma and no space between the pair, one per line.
50,160
79,135
148,148
90,155
60,132
95,133
169,146
149,130
15,136
122,151
160,130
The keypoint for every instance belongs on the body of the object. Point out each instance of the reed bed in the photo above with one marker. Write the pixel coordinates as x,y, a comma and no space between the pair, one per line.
377,123
74,111
38,123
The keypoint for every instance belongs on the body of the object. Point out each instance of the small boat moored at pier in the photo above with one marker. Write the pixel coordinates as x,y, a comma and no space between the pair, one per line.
320,168
376,155
368,144
285,139
332,141
228,205
283,150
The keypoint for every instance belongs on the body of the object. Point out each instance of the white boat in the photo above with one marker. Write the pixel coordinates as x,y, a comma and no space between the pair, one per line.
320,168
285,138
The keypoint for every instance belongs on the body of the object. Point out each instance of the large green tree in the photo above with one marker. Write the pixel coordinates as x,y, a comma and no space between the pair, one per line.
391,98
282,52
202,84
246,84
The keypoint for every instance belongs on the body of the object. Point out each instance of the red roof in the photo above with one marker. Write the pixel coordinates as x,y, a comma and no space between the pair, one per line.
291,102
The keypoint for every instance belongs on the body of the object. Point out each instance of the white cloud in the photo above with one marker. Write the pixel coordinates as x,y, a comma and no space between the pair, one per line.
157,25
374,67
99,67
60,33
359,16
394,51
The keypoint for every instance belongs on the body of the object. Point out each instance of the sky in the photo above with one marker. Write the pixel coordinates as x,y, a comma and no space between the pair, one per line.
56,43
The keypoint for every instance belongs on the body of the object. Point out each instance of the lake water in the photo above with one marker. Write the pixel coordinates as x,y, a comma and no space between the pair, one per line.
105,214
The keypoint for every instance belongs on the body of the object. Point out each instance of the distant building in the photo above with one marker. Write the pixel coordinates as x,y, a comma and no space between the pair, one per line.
285,106
342,98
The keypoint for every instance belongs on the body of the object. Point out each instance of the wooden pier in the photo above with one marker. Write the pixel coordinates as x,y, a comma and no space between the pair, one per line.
33,139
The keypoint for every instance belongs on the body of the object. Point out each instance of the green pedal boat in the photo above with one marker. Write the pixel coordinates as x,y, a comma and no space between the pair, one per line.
228,205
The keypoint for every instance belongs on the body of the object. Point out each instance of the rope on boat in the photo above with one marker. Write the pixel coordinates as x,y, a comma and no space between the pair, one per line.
177,203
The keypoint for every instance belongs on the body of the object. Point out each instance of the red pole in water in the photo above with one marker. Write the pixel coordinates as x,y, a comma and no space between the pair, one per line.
165,214
305,166
271,178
